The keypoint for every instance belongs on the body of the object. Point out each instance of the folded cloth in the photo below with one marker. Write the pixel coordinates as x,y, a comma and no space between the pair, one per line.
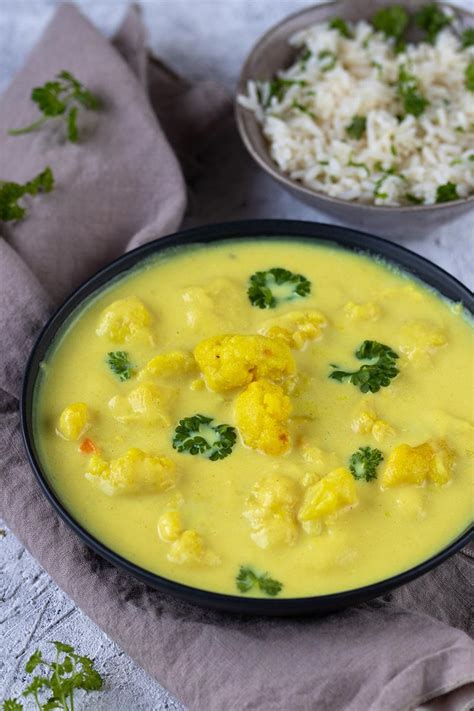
120,186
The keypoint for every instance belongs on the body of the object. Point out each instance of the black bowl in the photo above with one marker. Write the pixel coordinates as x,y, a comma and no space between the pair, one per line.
255,229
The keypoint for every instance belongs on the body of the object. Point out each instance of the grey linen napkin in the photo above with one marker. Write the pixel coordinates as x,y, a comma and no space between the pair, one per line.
121,186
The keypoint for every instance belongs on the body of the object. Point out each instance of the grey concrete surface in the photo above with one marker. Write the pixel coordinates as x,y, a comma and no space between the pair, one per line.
200,39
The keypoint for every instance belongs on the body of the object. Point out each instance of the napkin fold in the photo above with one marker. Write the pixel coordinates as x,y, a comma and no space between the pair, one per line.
123,185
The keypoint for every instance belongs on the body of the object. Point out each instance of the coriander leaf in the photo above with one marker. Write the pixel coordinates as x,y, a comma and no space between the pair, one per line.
60,99
11,192
469,76
357,126
248,579
36,684
446,193
327,60
432,20
119,364
363,463
196,435
408,91
267,289
392,21
35,659
371,376
12,705
467,37
337,23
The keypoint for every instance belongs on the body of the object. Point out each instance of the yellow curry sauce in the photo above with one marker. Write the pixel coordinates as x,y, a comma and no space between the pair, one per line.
283,500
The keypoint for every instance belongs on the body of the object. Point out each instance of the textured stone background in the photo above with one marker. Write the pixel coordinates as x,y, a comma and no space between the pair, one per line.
200,39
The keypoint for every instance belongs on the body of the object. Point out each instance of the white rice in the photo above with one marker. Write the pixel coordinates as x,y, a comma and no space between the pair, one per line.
396,158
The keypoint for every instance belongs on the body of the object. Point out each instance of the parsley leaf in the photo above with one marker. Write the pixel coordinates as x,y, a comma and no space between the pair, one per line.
371,376
337,23
432,20
11,192
408,90
469,76
467,37
248,579
363,463
69,671
392,21
446,193
327,60
277,87
215,443
414,199
304,109
357,126
60,99
119,364
263,284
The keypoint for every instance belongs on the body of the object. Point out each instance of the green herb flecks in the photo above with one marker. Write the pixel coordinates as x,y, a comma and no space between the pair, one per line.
408,91
119,363
196,435
60,99
354,164
363,463
392,21
278,87
469,76
357,127
432,20
11,193
467,37
371,376
304,109
337,23
446,193
414,199
267,289
247,579
327,60
54,687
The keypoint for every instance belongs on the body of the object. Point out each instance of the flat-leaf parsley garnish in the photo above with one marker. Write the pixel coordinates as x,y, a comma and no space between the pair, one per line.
248,579
432,20
11,192
119,363
409,93
363,463
357,126
54,687
197,435
370,376
60,98
337,23
446,193
392,21
263,285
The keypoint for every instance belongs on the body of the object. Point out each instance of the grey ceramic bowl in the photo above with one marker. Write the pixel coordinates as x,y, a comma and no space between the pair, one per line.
272,53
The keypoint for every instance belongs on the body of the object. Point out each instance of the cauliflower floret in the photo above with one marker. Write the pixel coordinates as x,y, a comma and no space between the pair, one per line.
136,472
419,340
217,306
233,361
166,365
74,421
320,460
367,422
261,414
146,404
271,511
431,461
169,526
296,328
370,311
190,548
125,320
329,496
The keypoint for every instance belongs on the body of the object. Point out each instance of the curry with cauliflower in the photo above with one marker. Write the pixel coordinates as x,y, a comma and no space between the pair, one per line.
263,418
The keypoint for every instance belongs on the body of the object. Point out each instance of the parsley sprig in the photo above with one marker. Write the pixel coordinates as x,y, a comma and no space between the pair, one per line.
189,437
58,679
60,99
119,363
261,284
247,579
446,192
432,20
363,463
409,93
392,21
11,193
370,376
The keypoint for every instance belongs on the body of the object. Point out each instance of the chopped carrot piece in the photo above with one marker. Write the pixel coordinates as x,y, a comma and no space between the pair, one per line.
88,447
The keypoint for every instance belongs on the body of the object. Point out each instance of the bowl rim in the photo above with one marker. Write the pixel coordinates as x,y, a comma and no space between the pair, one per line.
243,114
312,232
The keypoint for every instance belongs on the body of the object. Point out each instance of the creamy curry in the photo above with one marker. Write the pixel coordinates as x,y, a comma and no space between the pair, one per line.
266,418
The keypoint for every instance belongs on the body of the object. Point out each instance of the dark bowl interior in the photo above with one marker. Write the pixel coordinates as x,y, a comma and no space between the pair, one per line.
253,229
